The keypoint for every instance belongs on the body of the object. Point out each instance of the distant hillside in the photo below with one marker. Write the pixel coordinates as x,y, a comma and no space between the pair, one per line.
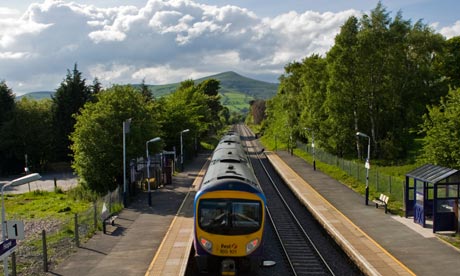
236,90
37,95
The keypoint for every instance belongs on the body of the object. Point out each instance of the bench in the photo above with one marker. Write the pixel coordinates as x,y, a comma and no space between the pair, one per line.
110,219
381,201
107,218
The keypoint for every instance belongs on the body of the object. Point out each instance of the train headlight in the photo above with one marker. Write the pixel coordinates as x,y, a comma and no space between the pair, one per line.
207,245
252,245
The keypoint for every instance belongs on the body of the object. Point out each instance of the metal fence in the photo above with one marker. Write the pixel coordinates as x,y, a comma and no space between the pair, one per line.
379,182
49,240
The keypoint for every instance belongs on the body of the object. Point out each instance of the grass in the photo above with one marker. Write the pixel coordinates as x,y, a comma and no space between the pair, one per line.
43,204
236,101
394,206
53,212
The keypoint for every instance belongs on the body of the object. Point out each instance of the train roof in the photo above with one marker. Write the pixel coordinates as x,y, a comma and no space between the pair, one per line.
218,170
229,160
229,152
231,137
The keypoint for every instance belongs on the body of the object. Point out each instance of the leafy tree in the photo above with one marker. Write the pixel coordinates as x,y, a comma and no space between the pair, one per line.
450,66
6,102
224,115
72,94
7,107
97,142
186,108
314,80
29,132
344,103
145,91
377,79
211,89
442,128
96,87
257,111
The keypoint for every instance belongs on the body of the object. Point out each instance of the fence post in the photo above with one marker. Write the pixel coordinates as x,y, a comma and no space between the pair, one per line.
45,252
377,182
77,238
390,177
13,263
95,215
357,166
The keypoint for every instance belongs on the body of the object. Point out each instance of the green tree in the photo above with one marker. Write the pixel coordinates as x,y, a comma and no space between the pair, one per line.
97,142
145,91
450,66
314,78
257,111
6,102
71,95
344,103
186,108
7,107
442,128
29,132
211,89
96,87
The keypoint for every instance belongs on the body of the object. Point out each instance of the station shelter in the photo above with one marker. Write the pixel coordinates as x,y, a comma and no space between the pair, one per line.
432,192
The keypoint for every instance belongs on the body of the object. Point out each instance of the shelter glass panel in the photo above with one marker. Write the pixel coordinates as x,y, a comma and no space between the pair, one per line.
445,205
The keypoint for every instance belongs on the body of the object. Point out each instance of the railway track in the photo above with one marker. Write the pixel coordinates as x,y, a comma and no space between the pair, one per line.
300,247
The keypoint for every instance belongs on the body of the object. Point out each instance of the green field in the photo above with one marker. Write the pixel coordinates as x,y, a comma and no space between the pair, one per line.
236,101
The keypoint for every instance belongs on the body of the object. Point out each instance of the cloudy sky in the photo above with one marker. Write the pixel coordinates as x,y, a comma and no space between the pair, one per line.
165,41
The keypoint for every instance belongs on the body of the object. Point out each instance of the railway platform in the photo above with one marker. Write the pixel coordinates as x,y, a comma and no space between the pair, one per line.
129,247
382,244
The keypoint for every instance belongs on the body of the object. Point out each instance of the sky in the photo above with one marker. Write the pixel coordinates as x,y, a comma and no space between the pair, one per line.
167,41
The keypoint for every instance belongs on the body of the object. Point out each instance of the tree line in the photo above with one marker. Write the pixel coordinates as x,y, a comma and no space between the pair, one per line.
384,77
83,124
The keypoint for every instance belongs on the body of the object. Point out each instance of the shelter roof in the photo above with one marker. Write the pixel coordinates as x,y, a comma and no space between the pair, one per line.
431,173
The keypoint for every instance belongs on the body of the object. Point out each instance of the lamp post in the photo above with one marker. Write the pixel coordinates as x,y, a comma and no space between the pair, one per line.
312,146
182,149
148,165
367,164
16,182
126,125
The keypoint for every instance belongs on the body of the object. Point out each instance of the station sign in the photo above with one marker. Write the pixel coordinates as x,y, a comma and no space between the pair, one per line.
15,229
6,247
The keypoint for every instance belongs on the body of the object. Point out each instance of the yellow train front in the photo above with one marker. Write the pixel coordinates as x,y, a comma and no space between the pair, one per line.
229,213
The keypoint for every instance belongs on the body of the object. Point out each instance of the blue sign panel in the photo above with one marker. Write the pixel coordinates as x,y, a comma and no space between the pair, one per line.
6,246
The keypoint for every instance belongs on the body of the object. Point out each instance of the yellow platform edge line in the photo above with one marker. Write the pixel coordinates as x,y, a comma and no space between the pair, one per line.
270,156
195,185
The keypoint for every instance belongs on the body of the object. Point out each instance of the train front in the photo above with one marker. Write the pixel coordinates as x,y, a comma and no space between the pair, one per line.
229,227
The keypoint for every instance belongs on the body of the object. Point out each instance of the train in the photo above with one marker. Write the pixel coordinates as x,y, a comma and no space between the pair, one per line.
229,212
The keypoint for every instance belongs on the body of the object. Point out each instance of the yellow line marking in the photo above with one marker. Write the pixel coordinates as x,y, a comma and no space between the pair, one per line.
345,217
194,185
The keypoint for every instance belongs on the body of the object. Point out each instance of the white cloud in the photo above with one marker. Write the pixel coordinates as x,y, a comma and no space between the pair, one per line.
164,41
13,55
451,31
6,13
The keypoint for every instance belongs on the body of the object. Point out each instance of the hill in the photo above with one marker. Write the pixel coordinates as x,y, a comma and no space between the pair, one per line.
236,90
37,95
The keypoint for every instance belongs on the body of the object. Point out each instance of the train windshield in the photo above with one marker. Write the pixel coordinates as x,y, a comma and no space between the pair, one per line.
230,216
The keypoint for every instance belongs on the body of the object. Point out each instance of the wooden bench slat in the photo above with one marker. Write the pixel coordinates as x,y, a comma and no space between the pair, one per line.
381,201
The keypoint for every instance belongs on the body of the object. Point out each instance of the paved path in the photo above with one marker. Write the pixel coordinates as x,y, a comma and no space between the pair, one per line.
129,247
410,243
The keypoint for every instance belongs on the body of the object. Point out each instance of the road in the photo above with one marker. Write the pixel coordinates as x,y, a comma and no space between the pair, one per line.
64,181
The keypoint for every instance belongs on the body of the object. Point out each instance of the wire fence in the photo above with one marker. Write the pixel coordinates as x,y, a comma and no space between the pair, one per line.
48,241
378,182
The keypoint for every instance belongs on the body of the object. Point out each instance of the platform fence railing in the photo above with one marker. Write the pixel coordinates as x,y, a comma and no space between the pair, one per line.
378,181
